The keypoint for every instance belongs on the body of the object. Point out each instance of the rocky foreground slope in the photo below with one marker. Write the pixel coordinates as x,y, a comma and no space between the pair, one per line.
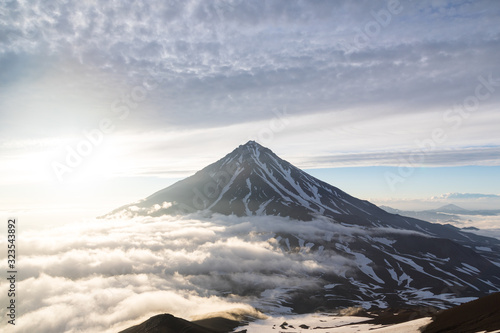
481,315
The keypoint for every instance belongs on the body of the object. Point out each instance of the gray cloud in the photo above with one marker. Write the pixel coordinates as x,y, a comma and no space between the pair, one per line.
232,61
211,74
416,157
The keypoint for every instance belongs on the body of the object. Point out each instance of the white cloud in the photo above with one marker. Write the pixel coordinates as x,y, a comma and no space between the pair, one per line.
104,275
386,230
466,196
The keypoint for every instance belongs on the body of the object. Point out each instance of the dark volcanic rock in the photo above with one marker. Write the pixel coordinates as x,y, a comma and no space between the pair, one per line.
252,180
394,260
166,323
480,315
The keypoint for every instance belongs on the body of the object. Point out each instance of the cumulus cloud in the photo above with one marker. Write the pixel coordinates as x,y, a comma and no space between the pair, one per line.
108,274
470,201
103,304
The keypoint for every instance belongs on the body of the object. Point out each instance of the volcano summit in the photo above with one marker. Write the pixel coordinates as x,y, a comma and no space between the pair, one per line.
390,260
252,180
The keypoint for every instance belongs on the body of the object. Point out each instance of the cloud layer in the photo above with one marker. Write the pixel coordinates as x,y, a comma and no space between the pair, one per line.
212,64
467,196
108,274
105,275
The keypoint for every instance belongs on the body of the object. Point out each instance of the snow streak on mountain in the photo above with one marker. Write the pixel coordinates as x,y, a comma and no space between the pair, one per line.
393,260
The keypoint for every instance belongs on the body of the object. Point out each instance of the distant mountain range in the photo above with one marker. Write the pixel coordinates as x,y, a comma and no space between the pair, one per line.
447,209
447,213
393,260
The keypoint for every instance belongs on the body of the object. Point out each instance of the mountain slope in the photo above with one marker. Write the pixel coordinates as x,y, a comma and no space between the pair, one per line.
481,315
252,180
451,208
393,260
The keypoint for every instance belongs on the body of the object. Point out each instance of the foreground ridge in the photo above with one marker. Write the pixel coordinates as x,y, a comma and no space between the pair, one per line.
479,315
166,323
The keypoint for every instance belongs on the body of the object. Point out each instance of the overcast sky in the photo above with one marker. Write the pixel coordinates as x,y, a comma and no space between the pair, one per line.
148,92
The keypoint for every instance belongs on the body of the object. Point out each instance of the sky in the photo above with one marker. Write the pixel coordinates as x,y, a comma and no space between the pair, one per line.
103,103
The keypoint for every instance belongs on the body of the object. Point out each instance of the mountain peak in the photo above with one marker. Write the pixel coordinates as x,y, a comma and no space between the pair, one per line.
251,148
252,180
251,143
451,208
392,254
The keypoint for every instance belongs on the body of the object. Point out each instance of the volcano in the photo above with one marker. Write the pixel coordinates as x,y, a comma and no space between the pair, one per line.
395,260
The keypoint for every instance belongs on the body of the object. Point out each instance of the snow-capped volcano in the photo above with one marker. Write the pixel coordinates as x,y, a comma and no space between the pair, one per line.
252,180
393,260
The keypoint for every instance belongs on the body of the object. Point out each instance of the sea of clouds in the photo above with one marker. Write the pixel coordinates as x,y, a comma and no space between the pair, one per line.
104,275
108,274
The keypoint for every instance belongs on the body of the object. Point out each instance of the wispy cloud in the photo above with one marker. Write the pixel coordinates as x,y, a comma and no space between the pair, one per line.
455,157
